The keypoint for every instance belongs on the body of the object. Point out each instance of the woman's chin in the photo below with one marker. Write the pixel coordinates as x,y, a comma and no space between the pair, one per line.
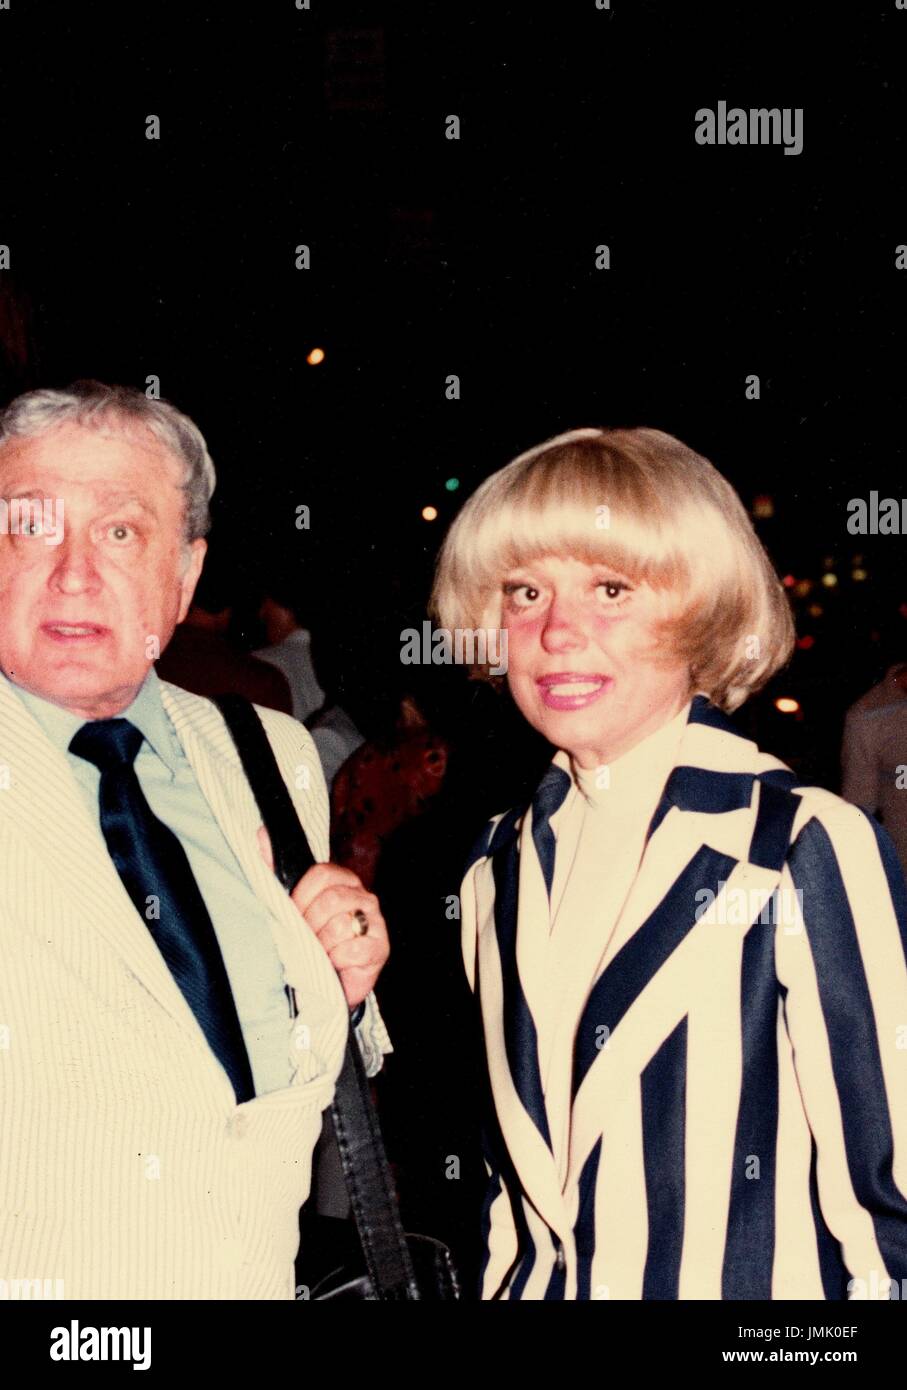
576,732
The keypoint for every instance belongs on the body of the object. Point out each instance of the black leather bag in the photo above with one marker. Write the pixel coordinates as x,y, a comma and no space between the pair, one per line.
390,1266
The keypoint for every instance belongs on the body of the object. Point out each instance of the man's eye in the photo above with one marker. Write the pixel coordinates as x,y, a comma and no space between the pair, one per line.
29,527
120,532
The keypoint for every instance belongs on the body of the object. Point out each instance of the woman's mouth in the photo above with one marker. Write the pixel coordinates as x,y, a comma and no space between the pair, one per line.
565,690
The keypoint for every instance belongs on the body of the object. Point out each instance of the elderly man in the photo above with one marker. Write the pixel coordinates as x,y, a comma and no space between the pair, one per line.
171,1023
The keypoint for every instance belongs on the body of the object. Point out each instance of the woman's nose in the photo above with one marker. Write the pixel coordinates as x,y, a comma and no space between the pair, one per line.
563,630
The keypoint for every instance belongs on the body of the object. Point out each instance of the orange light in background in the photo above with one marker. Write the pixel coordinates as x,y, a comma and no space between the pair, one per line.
815,610
786,705
763,506
829,580
429,513
803,588
858,574
315,356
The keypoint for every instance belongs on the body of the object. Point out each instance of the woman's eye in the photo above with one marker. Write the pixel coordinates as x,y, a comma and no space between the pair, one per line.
119,531
613,588
521,595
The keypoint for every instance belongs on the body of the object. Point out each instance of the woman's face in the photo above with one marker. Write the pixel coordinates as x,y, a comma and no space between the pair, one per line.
580,658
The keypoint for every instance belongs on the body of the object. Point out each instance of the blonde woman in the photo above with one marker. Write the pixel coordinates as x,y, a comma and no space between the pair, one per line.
690,971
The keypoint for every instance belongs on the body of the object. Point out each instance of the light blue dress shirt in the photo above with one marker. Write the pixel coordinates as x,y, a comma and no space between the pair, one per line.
240,922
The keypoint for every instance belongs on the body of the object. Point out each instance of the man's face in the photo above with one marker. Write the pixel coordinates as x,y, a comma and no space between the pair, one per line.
82,621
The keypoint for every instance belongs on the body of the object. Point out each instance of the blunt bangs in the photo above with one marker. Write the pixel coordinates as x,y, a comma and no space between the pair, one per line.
577,499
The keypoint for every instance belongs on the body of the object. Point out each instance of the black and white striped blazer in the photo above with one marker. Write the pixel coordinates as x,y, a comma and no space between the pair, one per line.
743,1134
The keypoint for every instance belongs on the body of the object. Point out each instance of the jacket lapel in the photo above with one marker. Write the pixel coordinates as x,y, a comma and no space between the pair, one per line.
511,1042
45,805
698,852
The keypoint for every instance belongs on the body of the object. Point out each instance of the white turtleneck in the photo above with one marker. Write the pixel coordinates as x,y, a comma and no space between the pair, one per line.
600,833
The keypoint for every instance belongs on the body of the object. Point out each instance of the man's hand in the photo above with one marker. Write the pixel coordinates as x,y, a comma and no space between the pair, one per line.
327,896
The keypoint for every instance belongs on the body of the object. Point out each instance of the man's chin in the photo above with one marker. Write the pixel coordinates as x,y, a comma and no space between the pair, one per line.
77,686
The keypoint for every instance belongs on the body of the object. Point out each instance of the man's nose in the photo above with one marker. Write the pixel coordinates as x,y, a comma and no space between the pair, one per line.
74,570
563,631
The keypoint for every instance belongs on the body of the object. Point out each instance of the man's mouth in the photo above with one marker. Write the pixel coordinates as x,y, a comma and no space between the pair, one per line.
73,632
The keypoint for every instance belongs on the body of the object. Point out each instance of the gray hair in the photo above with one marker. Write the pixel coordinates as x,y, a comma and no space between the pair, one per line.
96,406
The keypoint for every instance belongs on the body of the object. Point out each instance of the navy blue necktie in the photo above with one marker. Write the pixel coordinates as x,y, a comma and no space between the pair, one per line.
152,863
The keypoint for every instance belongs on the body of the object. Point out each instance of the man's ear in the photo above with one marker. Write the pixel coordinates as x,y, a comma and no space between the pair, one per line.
197,551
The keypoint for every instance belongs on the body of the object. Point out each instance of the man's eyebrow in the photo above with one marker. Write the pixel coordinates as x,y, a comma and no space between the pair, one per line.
21,494
109,497
115,497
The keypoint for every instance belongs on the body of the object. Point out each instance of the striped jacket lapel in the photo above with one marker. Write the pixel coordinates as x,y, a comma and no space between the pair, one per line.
509,1028
45,806
705,845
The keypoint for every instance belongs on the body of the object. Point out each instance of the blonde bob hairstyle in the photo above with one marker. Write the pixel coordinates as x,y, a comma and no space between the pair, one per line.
641,503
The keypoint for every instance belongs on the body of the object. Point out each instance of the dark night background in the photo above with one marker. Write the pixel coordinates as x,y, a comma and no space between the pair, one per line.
175,257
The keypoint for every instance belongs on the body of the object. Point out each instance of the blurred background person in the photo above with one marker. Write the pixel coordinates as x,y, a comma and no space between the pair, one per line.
334,731
874,755
890,690
202,658
289,641
395,772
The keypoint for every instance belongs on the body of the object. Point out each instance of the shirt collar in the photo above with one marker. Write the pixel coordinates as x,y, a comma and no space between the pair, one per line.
146,712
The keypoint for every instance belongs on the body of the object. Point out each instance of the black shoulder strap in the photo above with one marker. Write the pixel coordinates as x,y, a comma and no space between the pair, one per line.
292,853
365,1166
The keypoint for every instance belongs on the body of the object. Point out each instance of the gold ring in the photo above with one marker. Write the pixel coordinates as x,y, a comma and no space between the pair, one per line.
360,922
